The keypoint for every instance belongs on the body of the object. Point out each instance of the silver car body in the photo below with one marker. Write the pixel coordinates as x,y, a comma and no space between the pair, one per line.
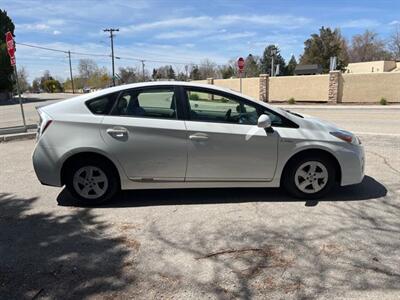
164,153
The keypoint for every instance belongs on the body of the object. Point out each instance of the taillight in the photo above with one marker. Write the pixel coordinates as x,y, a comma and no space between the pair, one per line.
46,125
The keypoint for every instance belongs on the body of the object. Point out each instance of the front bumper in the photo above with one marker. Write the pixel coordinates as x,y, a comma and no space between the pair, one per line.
352,162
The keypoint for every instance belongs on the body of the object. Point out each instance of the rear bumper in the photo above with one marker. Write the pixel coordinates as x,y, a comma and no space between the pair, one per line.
45,164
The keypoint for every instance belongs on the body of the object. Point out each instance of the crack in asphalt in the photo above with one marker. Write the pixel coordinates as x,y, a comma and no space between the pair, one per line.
385,161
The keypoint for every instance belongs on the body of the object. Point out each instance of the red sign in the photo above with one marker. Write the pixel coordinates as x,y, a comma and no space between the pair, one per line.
240,64
10,47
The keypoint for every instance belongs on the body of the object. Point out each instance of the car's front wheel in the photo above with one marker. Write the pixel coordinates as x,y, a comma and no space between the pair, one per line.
92,181
310,177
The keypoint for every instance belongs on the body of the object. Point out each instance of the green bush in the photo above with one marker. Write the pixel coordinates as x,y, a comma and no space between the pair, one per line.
292,101
383,101
194,97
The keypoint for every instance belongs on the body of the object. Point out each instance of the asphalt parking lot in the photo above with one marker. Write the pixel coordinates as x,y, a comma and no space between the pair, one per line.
218,244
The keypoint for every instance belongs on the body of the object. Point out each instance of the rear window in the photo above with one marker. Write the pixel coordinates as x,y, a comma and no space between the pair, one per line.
102,105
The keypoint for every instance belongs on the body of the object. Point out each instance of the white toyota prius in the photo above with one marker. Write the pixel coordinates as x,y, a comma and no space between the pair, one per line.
178,135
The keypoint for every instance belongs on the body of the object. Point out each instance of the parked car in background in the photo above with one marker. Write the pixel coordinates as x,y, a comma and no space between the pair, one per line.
86,90
178,135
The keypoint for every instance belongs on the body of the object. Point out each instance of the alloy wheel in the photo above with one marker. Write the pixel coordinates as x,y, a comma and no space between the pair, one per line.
90,182
311,177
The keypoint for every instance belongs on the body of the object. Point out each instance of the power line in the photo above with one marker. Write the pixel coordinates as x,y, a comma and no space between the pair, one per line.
138,59
40,47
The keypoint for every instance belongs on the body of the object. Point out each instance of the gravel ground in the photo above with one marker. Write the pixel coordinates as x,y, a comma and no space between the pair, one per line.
203,244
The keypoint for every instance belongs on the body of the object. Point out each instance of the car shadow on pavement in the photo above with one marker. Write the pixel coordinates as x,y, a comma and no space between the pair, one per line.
368,189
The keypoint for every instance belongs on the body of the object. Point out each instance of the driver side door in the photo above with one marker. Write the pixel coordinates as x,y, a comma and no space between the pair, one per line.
224,141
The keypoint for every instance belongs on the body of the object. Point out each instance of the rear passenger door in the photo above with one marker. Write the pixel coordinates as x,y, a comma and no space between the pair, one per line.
145,133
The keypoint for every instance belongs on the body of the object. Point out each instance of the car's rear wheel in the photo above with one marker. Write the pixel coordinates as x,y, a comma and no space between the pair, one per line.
309,177
92,181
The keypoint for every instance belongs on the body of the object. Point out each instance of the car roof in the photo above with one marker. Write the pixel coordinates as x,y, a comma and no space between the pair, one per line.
159,83
70,104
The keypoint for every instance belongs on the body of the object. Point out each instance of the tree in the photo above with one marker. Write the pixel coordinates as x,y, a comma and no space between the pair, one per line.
266,60
170,73
208,69
227,71
181,77
6,70
47,83
320,47
45,77
195,73
291,66
368,47
128,75
86,68
394,43
164,72
22,79
251,67
36,85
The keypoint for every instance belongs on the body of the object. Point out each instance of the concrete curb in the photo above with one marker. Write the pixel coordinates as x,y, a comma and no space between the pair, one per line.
337,107
17,136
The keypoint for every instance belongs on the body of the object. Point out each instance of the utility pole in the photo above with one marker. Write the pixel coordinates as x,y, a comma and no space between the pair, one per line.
111,30
142,69
70,72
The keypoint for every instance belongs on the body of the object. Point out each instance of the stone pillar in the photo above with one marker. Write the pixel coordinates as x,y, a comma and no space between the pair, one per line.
264,87
333,89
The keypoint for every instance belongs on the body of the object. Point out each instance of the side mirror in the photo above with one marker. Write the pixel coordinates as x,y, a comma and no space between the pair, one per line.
264,121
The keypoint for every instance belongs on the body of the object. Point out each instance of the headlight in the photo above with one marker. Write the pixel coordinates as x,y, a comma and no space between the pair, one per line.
346,136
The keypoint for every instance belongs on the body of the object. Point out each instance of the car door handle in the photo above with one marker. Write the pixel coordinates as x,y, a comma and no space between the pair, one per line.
117,132
198,136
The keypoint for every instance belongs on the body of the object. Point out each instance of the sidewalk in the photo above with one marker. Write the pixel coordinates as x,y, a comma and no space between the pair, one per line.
336,106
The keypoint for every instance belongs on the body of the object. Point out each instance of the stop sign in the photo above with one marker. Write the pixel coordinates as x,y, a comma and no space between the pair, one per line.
10,47
240,63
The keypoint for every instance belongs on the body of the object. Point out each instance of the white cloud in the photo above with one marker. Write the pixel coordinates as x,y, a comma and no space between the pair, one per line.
233,36
360,23
286,21
168,23
56,32
393,23
32,27
180,34
271,20
47,26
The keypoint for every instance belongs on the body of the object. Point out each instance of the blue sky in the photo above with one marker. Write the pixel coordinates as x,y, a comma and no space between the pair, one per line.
182,31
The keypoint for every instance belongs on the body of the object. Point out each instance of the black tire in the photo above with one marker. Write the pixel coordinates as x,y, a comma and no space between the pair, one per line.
113,185
289,181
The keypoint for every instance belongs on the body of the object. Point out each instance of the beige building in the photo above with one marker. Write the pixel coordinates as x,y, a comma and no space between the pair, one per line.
379,66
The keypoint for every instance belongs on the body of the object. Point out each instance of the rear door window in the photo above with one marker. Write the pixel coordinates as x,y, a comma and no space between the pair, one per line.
147,103
101,105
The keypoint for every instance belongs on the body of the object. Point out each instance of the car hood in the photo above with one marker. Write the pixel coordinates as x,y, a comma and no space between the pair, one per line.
311,122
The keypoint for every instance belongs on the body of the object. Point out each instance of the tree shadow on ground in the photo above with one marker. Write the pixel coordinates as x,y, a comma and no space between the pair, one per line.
367,190
58,256
351,252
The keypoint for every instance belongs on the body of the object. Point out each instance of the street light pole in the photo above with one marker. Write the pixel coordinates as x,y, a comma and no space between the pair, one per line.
111,31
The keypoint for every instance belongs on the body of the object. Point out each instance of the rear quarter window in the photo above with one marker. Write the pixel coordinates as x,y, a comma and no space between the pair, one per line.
101,105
